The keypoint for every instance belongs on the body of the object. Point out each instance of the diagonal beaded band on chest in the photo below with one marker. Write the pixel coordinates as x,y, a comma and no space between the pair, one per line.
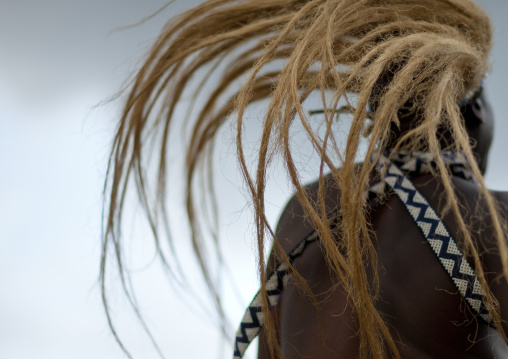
395,174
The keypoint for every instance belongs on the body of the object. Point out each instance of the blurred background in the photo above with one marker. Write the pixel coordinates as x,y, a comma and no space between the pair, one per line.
60,62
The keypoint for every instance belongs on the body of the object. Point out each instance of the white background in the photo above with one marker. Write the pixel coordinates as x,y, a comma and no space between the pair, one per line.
58,60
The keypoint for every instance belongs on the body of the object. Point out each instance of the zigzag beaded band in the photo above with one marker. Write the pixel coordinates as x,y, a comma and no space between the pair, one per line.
442,243
253,319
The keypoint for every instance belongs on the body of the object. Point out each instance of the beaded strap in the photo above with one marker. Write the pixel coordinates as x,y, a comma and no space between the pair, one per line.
253,319
442,243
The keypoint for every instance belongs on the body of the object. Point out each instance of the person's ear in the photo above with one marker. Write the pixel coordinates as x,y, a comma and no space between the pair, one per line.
471,110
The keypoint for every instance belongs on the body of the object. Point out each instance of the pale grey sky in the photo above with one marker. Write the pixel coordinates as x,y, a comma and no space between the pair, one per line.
59,59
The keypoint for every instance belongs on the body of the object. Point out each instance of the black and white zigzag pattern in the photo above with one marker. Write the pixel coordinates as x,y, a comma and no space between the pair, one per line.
423,162
440,240
394,175
253,319
417,163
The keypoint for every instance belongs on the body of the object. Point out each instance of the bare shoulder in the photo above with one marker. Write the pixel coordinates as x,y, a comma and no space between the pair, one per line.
502,198
301,332
294,224
473,206
310,323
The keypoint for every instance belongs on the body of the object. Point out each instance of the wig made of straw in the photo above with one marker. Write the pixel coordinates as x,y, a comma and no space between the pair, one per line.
435,53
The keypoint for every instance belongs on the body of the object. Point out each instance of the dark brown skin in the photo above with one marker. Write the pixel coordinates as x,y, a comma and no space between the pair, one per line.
427,317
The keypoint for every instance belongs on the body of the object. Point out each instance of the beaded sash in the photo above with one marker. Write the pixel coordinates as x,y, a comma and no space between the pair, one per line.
394,176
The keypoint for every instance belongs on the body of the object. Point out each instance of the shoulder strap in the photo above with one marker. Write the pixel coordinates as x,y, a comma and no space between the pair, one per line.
442,243
253,319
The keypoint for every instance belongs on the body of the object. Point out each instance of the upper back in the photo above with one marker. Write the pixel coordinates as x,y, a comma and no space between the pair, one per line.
426,314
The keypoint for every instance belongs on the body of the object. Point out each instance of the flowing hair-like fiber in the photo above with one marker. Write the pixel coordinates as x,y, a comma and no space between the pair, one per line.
439,49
